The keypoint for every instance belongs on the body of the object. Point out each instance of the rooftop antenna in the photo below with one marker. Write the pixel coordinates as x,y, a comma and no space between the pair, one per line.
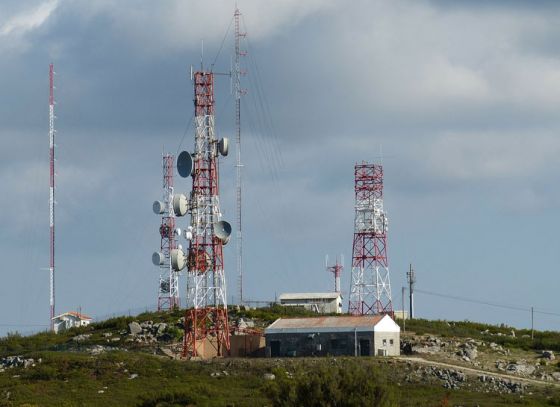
201,55
336,269
236,75
52,132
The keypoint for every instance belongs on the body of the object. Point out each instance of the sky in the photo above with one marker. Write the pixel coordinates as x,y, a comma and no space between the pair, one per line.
457,100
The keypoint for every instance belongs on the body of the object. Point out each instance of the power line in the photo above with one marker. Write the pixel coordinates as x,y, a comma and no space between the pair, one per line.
488,303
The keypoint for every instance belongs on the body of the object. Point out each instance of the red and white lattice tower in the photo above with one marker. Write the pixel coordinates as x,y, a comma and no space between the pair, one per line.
206,321
370,290
168,288
336,270
51,192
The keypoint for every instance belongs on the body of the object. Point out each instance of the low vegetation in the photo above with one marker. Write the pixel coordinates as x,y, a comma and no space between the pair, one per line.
500,334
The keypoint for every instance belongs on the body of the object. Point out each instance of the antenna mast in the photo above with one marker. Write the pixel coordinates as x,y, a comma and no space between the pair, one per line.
238,165
206,319
168,289
370,290
337,271
51,191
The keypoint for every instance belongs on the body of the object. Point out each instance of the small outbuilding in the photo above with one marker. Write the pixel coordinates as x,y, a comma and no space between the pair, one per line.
368,335
69,320
321,303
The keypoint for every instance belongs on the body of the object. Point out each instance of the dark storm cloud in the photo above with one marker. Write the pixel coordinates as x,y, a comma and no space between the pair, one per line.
465,119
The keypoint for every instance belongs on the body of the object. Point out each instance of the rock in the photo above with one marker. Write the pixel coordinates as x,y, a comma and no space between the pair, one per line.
512,333
269,376
520,369
81,338
556,376
548,354
133,376
108,334
134,328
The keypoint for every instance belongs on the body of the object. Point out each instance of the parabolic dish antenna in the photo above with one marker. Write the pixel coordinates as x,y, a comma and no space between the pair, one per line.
223,146
184,164
222,230
178,259
158,207
180,204
157,258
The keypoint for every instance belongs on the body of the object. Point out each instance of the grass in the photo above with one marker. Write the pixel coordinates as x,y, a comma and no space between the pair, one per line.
77,379
500,334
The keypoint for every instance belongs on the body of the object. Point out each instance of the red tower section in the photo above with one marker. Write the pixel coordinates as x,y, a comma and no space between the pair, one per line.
370,291
206,323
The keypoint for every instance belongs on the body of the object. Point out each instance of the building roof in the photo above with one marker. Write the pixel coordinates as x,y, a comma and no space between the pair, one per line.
74,314
365,323
308,296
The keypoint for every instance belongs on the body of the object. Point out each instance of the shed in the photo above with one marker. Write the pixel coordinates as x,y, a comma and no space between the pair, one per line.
368,335
69,320
322,303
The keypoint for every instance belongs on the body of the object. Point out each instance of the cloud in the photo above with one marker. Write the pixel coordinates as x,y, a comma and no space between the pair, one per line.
28,20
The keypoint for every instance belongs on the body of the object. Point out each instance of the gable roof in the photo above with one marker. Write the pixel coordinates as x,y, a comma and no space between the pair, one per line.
364,323
74,314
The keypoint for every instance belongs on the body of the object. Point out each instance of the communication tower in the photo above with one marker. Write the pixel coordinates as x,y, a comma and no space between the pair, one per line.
168,285
370,290
236,76
206,320
52,132
336,269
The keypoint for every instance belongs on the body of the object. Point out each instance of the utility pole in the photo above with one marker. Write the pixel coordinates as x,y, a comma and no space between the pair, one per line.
532,324
403,316
411,278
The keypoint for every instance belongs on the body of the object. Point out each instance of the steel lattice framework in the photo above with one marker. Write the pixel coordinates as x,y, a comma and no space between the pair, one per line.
370,290
51,193
206,322
168,288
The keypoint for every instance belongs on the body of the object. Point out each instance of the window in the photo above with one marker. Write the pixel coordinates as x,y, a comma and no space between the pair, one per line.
391,342
384,342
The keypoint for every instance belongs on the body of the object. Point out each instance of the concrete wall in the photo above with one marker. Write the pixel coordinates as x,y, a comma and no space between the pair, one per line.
246,345
388,343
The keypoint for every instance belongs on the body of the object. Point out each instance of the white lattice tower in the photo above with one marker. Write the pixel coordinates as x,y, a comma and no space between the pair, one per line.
168,284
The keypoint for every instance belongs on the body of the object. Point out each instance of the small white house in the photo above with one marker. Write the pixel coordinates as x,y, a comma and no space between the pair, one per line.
321,303
69,320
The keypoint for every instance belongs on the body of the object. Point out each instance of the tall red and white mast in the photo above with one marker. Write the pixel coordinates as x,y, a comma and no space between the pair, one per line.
51,191
238,165
370,290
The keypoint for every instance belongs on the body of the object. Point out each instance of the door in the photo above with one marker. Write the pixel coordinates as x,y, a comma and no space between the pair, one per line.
364,347
274,348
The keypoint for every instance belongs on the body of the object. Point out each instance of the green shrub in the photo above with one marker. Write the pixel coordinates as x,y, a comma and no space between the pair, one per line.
352,385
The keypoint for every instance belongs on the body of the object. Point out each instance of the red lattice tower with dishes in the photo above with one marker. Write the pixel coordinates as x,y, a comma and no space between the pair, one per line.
370,290
206,322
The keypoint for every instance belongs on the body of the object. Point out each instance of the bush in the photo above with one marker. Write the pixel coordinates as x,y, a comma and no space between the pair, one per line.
347,386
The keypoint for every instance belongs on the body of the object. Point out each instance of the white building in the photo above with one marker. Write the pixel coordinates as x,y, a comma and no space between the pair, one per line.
69,320
322,303
368,335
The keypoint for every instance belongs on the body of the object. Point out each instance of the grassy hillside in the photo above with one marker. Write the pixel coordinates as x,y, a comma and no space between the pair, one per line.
100,369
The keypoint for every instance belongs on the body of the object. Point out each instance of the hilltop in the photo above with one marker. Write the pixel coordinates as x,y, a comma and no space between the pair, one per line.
443,363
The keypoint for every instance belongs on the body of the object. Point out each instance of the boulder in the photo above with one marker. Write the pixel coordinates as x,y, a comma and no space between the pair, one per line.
134,328
548,354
